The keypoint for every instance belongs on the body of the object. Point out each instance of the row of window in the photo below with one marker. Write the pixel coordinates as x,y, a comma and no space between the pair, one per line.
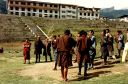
34,10
33,14
41,4
48,5
51,11
88,14
41,15
81,14
34,4
88,9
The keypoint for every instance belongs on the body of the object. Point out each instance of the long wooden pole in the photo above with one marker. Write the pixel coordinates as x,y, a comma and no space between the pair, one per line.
42,31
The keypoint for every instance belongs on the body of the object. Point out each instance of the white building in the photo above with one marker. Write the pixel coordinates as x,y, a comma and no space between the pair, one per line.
124,18
50,10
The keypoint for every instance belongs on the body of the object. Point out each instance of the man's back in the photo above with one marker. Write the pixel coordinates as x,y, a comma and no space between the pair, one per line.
63,43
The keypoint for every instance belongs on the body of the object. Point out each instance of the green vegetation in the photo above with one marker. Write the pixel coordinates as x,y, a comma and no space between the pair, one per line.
12,28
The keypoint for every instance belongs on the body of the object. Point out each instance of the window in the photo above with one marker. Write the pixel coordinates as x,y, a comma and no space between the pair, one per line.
34,4
40,15
97,15
69,6
92,14
11,2
69,11
56,16
69,16
11,13
22,14
50,5
22,3
23,9
55,6
74,7
17,8
16,13
29,9
50,16
63,16
56,11
73,17
40,4
80,13
63,6
63,11
73,12
85,14
45,15
84,8
50,11
29,14
80,8
33,14
40,10
28,3
11,8
16,2
45,11
88,14
34,10
45,5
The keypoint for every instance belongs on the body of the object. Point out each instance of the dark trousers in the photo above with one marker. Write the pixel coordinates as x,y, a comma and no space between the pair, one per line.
105,53
83,58
85,68
92,57
70,60
37,58
105,58
49,56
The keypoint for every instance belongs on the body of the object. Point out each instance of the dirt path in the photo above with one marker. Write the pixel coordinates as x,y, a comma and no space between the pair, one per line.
45,69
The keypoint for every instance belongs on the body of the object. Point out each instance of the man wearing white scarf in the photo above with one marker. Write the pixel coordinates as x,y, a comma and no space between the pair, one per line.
125,49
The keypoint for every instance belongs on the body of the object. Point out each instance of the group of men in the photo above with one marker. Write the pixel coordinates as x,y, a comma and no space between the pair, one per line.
85,51
84,47
38,45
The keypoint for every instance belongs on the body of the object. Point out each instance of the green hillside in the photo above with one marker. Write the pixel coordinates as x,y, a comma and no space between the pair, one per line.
14,28
112,13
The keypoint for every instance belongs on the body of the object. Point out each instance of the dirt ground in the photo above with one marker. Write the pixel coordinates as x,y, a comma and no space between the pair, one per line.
45,69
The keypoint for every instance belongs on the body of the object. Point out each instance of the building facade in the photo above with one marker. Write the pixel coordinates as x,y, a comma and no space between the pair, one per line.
50,10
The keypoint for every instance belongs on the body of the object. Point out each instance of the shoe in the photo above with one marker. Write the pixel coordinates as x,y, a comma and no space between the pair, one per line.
85,77
79,73
55,69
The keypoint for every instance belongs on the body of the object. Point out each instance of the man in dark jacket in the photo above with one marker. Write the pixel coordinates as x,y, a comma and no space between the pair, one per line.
83,45
38,49
104,46
47,49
